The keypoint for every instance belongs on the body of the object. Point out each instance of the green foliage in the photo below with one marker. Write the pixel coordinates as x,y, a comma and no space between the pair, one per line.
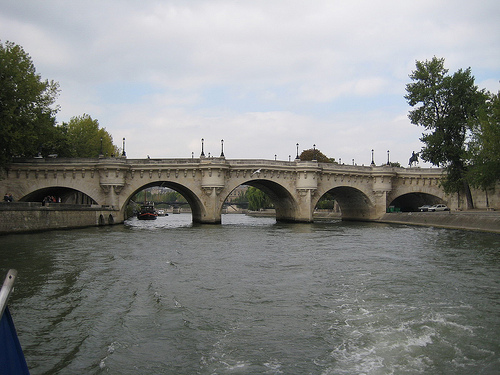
27,117
243,198
86,140
326,202
257,199
315,154
484,147
171,196
447,107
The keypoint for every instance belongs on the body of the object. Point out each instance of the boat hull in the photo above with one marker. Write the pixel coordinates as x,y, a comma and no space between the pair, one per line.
147,216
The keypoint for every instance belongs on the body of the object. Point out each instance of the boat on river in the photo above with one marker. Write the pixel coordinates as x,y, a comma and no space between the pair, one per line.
162,213
147,212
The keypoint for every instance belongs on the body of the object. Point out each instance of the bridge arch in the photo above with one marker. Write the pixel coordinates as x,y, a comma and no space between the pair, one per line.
197,208
284,203
410,202
65,194
354,204
363,192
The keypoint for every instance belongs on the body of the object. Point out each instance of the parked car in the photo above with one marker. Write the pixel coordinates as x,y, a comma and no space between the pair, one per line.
438,207
424,208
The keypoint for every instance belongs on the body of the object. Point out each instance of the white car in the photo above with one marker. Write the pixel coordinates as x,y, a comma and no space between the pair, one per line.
438,207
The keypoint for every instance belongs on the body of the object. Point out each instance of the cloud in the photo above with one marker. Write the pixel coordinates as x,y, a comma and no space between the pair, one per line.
262,75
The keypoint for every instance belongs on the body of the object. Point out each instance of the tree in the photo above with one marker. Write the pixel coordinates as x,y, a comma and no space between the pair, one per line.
315,154
327,201
27,115
446,106
484,147
86,140
257,199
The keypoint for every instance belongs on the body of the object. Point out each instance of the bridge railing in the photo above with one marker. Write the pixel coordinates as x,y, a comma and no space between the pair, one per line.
250,163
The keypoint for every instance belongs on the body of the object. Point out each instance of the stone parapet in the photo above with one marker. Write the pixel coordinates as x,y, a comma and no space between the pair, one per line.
21,217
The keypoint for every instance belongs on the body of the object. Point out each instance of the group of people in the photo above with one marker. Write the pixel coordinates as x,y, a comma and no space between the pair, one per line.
50,199
8,197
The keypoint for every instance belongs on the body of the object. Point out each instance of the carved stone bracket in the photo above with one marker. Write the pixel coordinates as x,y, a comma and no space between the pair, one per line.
106,188
118,189
207,190
304,192
380,193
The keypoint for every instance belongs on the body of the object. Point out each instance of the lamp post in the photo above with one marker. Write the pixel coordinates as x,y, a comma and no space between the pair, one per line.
297,152
373,163
100,152
314,152
123,151
222,148
202,155
388,162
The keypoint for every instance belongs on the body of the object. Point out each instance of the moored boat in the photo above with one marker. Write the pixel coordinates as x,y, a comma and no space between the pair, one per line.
147,212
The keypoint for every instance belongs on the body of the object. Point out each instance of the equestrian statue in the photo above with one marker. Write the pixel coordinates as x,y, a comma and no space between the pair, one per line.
413,159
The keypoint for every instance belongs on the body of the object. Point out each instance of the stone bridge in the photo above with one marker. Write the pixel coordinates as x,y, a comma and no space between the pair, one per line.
295,187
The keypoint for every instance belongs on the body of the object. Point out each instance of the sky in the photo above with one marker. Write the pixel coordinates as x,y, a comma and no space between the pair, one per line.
262,75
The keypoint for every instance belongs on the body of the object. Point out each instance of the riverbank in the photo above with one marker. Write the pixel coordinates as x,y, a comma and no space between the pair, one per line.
19,217
32,217
475,220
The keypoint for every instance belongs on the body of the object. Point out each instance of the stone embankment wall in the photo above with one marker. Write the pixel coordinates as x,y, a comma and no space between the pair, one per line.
31,217
485,221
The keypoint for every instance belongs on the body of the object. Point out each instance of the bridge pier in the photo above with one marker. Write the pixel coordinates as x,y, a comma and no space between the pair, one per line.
305,210
212,206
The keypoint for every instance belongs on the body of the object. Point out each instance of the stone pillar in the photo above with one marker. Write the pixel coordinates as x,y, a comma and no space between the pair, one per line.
306,209
213,205
212,183
306,185
112,181
382,185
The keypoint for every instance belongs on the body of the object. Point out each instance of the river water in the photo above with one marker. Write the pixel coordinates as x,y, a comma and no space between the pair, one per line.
252,296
